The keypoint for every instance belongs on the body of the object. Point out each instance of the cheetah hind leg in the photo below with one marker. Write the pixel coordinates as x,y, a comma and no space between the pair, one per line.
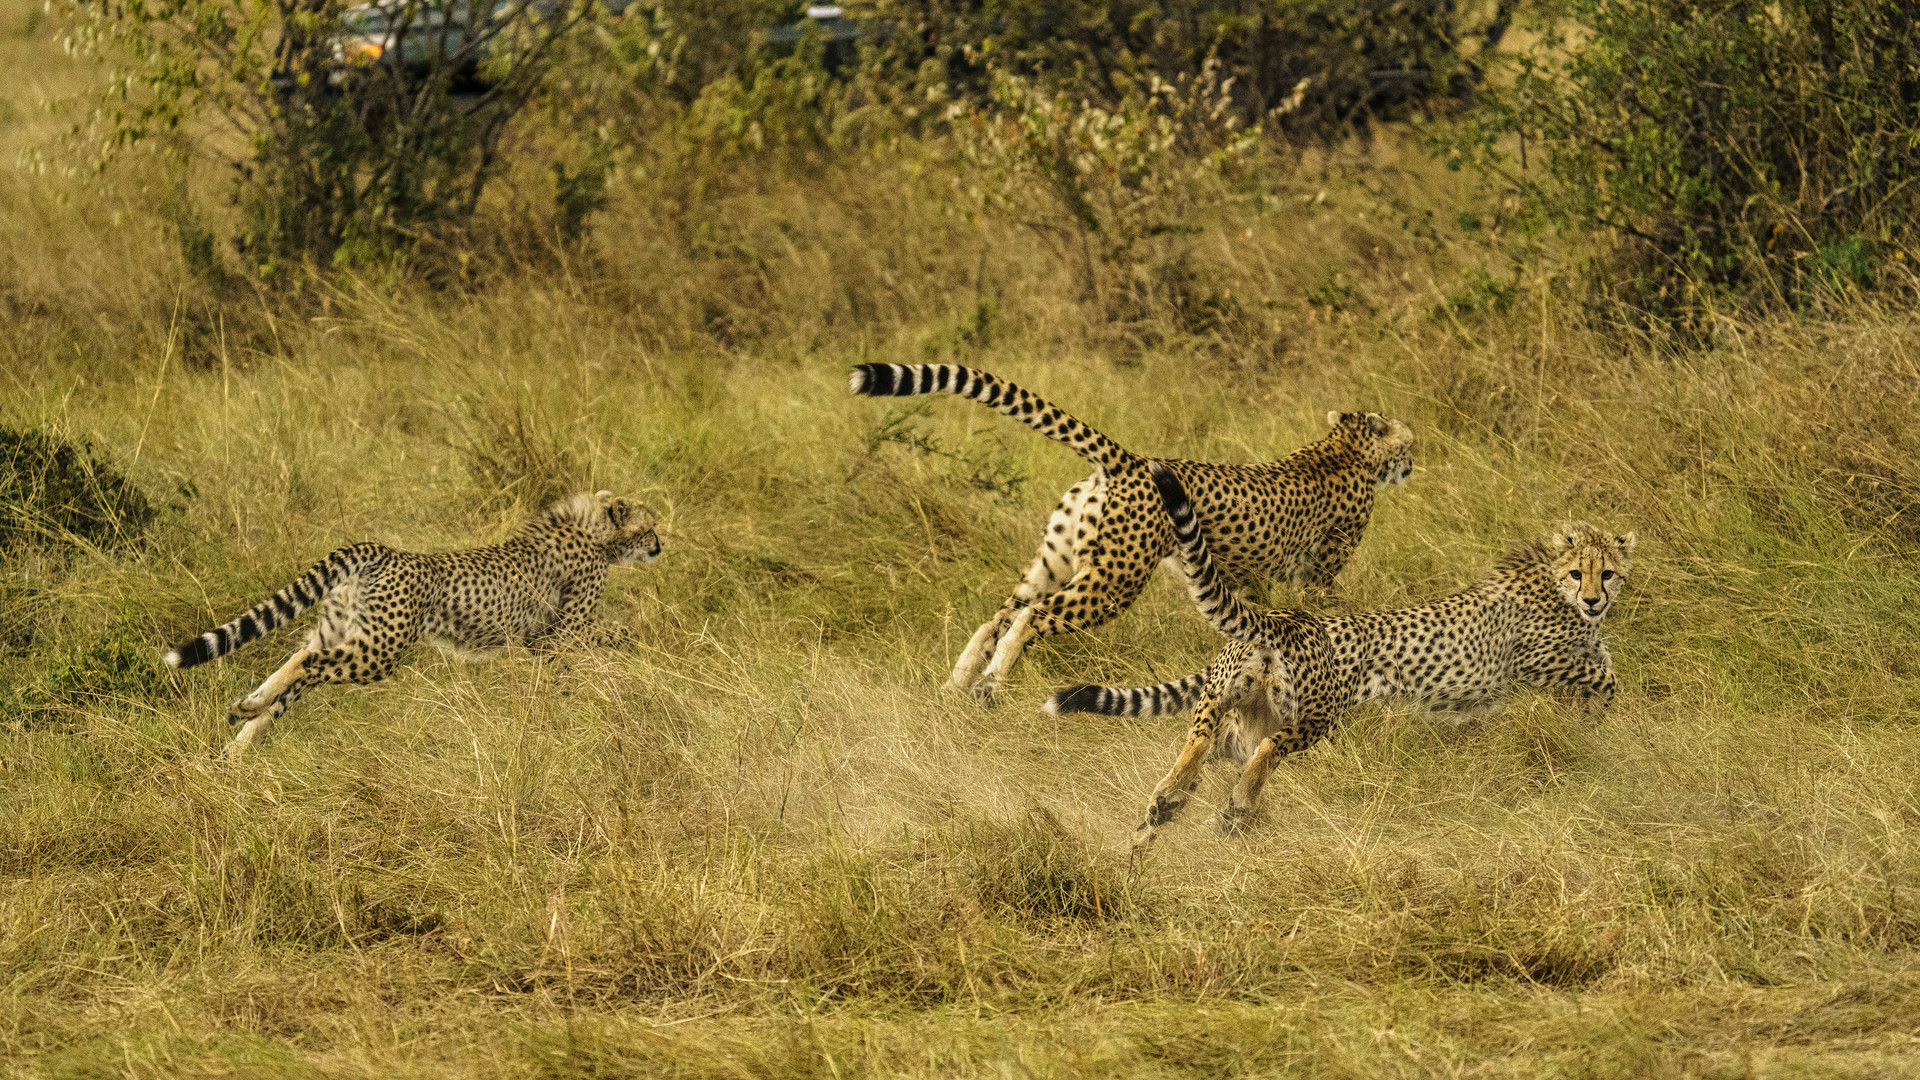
253,712
1172,793
979,649
1089,601
1246,792
1020,633
1050,571
251,730
268,694
352,662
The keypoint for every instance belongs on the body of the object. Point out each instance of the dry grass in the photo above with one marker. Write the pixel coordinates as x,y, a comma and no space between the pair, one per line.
756,841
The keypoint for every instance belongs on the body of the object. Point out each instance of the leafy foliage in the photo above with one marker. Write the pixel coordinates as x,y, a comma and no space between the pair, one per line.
1355,60
54,491
988,471
118,666
1733,142
361,131
1102,182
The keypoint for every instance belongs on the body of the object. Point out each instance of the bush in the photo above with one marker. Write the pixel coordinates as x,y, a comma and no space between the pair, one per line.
360,138
52,491
1353,61
120,666
1730,144
1105,186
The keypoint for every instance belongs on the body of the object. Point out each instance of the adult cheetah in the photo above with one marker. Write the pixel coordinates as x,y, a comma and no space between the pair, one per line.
539,586
1298,518
1287,676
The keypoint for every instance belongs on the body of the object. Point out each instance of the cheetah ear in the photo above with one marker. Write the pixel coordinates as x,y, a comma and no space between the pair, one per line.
1625,543
1378,423
603,497
1333,418
1563,537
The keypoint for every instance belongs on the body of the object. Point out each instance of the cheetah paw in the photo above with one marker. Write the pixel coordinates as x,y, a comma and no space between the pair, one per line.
1143,838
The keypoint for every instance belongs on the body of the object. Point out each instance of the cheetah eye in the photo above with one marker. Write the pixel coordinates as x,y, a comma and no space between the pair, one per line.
1606,575
1574,574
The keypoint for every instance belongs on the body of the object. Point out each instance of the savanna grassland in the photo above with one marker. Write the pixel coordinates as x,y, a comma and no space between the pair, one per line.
756,839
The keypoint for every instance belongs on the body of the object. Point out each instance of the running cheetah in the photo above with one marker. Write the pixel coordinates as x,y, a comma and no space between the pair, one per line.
1298,518
1287,676
538,587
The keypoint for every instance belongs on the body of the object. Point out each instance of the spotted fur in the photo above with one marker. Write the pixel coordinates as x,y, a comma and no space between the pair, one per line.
539,586
1298,518
1286,676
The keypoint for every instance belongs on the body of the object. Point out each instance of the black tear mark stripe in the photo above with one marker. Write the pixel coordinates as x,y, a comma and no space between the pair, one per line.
906,380
277,610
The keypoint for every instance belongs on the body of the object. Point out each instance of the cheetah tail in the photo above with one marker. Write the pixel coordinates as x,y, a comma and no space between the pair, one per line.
1162,700
1228,613
906,380
279,609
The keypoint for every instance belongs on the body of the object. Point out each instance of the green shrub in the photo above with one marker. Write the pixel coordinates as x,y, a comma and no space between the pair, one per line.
346,157
1338,64
118,666
1730,144
1116,190
52,491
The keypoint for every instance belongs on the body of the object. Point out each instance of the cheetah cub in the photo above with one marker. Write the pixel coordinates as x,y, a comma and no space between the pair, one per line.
1286,677
1298,518
539,586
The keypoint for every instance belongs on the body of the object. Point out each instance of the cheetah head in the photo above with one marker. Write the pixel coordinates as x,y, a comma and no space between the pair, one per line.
1589,567
626,529
1386,444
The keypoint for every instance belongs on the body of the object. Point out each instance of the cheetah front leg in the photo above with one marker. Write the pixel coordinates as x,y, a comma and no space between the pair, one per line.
1597,684
1324,563
574,621
1587,672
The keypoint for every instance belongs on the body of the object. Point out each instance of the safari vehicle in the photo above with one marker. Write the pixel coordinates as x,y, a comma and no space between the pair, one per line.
420,37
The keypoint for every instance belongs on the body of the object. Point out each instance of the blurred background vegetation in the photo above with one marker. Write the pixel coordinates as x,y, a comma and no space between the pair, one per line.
1754,151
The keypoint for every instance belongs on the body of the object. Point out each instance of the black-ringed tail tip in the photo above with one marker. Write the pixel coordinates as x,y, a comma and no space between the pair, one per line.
900,380
1075,699
1172,495
219,641
201,649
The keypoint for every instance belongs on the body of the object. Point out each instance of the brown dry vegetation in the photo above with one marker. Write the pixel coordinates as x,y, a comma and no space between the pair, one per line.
755,840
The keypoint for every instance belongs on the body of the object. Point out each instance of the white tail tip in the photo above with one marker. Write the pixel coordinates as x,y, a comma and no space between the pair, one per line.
172,658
